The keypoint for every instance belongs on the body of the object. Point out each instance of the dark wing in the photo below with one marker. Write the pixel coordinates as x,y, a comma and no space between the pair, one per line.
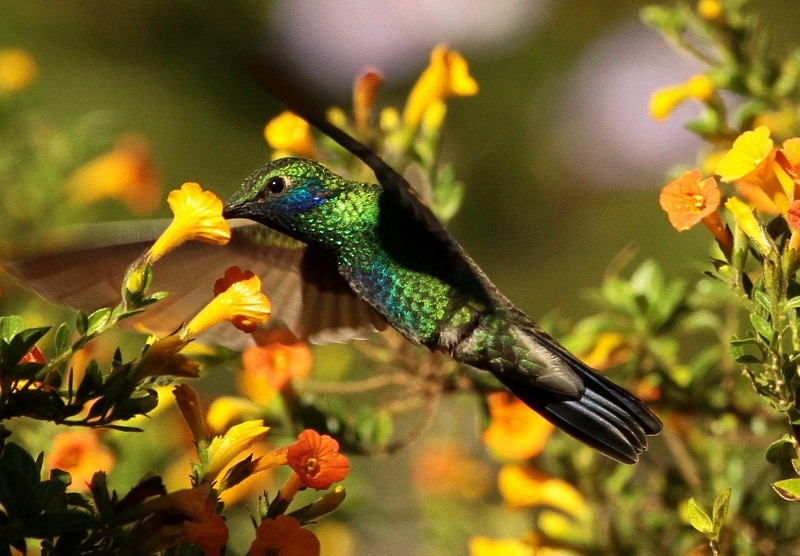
408,208
85,269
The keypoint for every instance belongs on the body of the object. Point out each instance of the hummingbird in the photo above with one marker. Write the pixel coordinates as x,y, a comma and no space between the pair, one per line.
339,258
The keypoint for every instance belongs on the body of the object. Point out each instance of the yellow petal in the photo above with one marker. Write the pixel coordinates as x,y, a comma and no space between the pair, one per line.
447,75
664,101
523,487
197,216
290,133
484,546
749,149
749,224
17,70
224,448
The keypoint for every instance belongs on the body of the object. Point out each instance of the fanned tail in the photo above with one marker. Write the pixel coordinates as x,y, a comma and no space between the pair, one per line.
605,416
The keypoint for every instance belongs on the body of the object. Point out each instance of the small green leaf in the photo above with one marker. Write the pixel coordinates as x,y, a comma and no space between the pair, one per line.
97,321
793,303
81,322
796,465
10,326
788,489
699,519
62,338
762,326
778,450
720,511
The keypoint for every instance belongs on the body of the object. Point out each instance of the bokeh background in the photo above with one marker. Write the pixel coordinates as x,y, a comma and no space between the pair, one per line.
561,160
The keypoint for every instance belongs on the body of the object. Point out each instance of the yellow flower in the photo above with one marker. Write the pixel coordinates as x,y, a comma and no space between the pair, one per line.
225,410
81,454
290,134
484,546
523,487
238,300
128,174
163,358
224,448
748,151
609,349
447,75
749,224
197,217
710,9
515,431
17,70
664,101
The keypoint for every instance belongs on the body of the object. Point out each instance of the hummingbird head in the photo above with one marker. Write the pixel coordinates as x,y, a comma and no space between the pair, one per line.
298,197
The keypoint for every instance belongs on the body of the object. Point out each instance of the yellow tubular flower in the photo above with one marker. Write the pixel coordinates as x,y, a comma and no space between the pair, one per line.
238,300
17,70
710,9
224,448
289,133
747,152
197,216
749,224
484,546
447,75
523,487
664,101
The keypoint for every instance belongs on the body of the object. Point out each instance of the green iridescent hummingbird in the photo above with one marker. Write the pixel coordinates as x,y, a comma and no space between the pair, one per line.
339,258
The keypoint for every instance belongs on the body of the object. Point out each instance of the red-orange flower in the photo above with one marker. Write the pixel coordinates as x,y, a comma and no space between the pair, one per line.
793,217
283,536
35,355
268,366
316,460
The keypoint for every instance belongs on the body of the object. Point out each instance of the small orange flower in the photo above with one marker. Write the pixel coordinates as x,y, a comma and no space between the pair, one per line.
290,135
445,466
238,300
128,174
81,454
189,406
284,536
515,431
17,70
197,217
316,460
207,530
365,90
447,75
278,358
688,200
793,217
609,350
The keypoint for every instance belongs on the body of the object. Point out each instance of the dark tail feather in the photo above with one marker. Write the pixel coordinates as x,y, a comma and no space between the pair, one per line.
606,417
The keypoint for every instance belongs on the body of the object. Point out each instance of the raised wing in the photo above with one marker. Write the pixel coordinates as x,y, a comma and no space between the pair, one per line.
84,270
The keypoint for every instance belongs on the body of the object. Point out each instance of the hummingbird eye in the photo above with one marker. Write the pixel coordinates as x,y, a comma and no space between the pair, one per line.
277,185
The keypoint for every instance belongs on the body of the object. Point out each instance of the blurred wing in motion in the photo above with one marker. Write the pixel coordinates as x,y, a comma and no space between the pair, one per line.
85,267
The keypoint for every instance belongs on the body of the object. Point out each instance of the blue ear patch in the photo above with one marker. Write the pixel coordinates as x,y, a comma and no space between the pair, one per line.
305,198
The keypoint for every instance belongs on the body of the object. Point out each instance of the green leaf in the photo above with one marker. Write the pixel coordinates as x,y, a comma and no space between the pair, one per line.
10,326
796,465
81,322
779,450
97,320
793,303
699,519
788,489
62,337
720,511
763,327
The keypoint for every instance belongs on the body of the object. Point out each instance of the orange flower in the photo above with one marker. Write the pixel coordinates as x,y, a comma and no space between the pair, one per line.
197,217
128,174
687,200
80,453
609,349
365,90
284,536
189,406
238,299
515,431
447,75
268,366
316,460
445,466
207,530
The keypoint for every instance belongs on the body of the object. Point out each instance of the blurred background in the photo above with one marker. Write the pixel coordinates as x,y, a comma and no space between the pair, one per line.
561,161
